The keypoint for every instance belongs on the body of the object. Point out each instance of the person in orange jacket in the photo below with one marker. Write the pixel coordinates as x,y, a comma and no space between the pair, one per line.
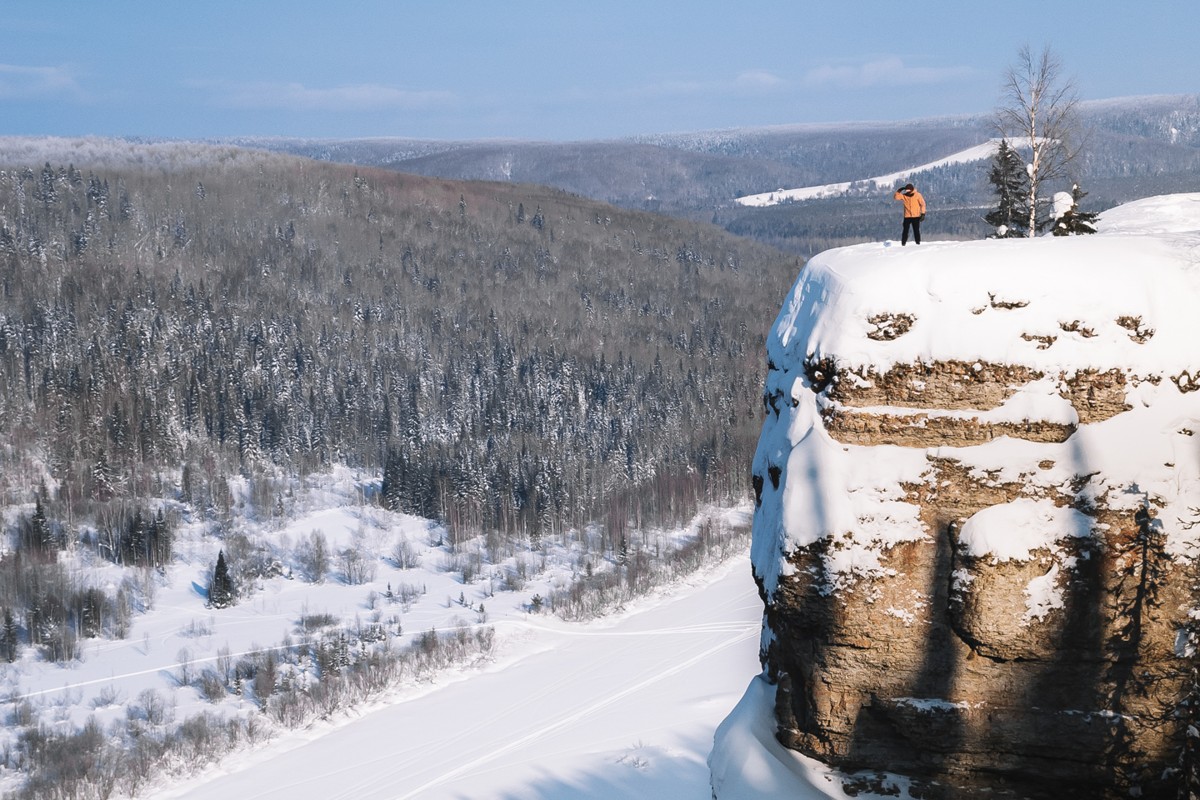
914,212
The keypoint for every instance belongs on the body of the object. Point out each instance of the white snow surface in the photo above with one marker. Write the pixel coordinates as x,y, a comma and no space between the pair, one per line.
1042,595
1124,298
1013,531
1165,214
624,707
749,763
1063,202
957,292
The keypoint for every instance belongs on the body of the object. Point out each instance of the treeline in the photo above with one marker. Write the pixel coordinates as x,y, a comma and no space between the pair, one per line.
514,359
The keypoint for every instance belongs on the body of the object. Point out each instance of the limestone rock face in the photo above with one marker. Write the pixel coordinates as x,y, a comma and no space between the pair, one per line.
978,486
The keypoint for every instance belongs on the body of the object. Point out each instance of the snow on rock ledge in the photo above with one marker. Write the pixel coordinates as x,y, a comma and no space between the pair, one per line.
976,486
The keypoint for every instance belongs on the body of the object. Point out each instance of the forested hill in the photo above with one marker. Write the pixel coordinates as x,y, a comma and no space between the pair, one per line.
510,358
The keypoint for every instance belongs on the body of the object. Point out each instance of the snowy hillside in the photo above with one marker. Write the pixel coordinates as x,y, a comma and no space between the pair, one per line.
185,393
980,152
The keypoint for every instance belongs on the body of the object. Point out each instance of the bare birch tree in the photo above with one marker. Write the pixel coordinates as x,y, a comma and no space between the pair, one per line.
1038,114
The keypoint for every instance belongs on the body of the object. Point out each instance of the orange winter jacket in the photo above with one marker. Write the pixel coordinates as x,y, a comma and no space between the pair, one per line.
914,204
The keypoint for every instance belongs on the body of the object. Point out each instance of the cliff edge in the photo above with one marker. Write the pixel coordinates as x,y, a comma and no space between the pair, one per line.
978,489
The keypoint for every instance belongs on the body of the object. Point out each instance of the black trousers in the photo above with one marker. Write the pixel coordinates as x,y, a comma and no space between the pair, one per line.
915,224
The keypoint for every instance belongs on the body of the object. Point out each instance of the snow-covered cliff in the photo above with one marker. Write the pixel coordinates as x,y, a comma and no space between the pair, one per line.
978,482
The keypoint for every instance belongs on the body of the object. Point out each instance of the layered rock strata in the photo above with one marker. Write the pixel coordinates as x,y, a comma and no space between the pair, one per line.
976,490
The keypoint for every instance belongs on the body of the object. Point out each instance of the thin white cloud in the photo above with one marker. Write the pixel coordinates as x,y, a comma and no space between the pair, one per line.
747,82
356,97
759,79
19,83
890,71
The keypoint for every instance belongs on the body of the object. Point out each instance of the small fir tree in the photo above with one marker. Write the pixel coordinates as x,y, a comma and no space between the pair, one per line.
220,590
162,539
1075,221
1009,181
8,637
40,534
102,478
265,678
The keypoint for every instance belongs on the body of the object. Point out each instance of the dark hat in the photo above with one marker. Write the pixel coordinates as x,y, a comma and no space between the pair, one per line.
908,186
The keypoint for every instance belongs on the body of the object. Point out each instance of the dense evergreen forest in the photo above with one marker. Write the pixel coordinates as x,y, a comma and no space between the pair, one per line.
513,360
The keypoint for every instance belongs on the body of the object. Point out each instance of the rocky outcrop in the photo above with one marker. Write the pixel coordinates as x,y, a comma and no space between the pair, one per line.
976,490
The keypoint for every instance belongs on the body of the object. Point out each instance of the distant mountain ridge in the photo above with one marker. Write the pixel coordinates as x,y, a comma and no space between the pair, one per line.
1137,147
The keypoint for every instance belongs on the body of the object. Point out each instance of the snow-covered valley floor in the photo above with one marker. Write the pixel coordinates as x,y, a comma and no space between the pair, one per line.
622,707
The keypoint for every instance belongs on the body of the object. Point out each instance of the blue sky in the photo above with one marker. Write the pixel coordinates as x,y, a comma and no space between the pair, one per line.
557,70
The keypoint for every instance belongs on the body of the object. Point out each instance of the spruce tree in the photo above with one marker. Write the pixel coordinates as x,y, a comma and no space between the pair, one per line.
220,589
102,477
41,535
1010,183
1076,221
161,539
8,637
134,548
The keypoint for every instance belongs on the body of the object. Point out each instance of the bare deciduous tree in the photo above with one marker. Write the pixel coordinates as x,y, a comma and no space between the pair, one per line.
313,556
1038,114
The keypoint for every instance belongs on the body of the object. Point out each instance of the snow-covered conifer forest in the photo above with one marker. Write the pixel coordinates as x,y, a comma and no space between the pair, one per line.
365,414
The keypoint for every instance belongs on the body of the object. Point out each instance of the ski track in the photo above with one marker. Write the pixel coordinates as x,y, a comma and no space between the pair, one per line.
569,718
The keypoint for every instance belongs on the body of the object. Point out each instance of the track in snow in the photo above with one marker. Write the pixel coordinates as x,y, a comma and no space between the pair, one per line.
623,708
